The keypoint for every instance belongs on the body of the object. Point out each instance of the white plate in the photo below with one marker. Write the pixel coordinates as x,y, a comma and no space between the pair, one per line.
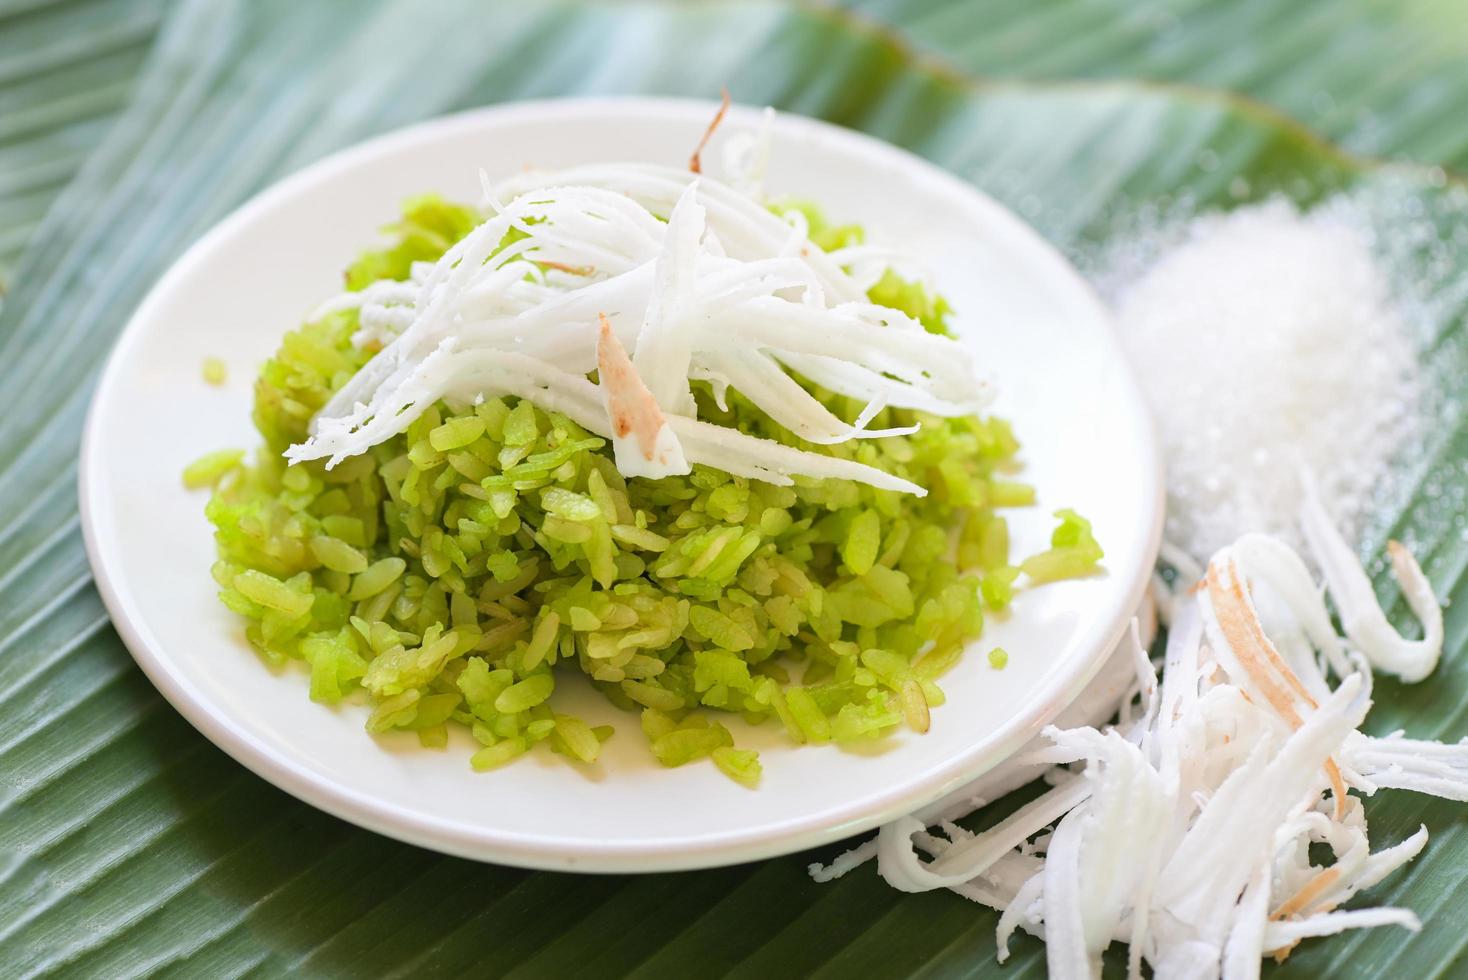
1039,331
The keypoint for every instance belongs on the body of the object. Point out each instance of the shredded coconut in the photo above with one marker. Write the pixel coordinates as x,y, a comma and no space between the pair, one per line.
724,290
1193,828
1265,339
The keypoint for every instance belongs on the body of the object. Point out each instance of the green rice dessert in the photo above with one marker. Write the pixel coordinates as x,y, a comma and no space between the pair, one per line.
713,454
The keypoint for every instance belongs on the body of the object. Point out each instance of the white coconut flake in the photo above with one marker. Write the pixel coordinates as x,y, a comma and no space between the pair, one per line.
642,442
665,342
1361,615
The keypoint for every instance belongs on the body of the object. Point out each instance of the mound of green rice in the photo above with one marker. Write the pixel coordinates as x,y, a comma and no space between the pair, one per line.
456,571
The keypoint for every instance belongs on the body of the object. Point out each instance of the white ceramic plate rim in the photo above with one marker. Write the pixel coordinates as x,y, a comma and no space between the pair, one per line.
591,854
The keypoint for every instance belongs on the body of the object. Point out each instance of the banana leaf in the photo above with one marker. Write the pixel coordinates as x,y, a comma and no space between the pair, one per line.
129,845
66,71
1380,78
69,66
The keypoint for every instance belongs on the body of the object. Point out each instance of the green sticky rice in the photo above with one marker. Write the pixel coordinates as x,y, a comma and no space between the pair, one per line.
454,573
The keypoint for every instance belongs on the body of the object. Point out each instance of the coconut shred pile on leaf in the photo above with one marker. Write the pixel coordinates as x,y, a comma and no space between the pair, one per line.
1186,829
576,271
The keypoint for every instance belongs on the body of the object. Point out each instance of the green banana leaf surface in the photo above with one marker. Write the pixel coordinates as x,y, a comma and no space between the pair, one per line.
129,845
1381,78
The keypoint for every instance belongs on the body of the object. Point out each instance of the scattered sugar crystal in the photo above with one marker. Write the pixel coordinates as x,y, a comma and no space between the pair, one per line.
1266,339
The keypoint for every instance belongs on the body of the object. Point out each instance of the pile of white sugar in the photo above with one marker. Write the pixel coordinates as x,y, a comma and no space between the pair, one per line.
1265,339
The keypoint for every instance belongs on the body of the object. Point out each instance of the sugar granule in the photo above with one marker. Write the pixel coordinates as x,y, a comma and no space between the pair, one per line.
1266,339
